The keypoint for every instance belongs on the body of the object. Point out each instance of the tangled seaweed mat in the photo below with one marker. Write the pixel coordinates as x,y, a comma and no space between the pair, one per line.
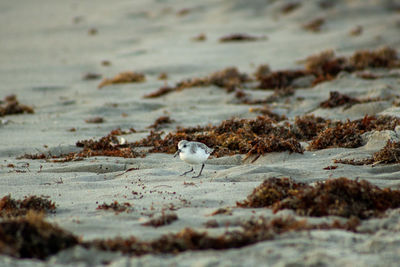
253,137
388,155
32,237
10,207
10,105
324,66
339,197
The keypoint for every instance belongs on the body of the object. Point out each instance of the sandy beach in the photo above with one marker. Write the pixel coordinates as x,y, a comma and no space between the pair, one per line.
88,68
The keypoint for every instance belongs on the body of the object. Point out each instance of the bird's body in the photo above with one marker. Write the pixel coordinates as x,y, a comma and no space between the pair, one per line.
193,153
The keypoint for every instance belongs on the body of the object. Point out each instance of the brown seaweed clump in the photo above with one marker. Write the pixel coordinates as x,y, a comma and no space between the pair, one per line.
115,206
337,99
314,25
245,136
188,239
279,79
348,134
290,7
160,122
339,197
229,79
389,154
307,127
10,106
10,207
32,237
164,219
123,77
342,197
239,37
270,192
384,57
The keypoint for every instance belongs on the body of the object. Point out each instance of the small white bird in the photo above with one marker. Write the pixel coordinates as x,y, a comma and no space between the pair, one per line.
193,153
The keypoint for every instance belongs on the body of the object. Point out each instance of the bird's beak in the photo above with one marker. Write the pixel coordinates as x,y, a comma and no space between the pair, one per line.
177,153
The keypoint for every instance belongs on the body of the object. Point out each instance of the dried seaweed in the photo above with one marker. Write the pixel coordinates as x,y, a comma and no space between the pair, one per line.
10,207
200,38
314,25
10,106
225,211
389,154
115,206
123,77
32,237
161,122
245,136
239,37
270,192
337,99
384,57
342,197
164,219
290,7
188,239
307,127
229,79
339,197
280,79
91,76
95,120
162,76
348,134
160,92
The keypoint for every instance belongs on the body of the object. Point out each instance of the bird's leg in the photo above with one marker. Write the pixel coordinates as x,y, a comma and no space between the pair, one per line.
202,166
187,172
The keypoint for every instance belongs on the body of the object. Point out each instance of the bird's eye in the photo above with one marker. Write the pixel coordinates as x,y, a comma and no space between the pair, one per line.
184,145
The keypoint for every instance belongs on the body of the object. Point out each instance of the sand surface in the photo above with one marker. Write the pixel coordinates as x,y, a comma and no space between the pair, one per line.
46,48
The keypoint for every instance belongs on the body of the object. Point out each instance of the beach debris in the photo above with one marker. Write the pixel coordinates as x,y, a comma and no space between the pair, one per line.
106,63
163,76
161,122
10,207
123,77
160,92
337,99
270,192
10,106
224,211
116,207
92,31
314,25
164,219
390,154
356,31
95,120
200,38
262,72
290,7
279,79
339,197
253,137
384,57
31,236
188,239
348,134
240,37
91,76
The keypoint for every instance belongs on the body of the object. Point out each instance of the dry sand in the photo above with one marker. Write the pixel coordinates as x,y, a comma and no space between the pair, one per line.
46,48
